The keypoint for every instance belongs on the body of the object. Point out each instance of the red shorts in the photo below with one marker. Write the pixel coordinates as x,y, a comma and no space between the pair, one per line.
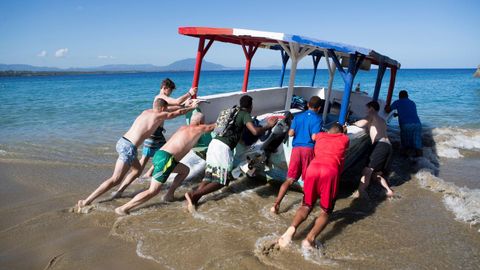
299,160
321,181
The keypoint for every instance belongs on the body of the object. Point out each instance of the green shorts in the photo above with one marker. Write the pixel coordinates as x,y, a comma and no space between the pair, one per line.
163,163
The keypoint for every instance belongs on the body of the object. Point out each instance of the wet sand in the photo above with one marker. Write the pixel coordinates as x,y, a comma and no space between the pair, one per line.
232,228
37,231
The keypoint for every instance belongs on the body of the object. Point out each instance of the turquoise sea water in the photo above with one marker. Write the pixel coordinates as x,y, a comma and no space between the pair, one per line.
67,116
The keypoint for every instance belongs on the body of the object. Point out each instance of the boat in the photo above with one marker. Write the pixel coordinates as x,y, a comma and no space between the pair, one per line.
477,73
340,105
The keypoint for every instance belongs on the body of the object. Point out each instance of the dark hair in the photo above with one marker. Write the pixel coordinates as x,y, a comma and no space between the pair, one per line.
403,94
337,126
374,105
246,102
167,83
159,102
315,102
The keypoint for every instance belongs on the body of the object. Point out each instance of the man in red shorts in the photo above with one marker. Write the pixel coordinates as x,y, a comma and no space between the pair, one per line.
304,127
321,181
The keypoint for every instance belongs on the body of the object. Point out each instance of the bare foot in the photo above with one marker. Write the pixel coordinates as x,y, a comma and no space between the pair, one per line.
190,205
286,238
355,194
390,193
120,211
80,205
275,208
307,245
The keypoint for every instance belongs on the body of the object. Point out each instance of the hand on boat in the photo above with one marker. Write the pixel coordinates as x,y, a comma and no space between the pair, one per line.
271,122
192,103
193,91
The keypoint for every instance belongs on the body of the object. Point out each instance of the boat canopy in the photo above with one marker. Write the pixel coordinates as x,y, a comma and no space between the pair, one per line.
295,47
270,40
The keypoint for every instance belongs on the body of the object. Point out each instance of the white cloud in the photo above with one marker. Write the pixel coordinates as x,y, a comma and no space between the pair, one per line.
61,52
42,53
105,57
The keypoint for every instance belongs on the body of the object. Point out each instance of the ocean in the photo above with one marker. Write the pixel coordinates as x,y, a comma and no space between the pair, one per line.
75,120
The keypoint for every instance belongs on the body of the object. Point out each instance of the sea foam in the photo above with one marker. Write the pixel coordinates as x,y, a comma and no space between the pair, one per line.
449,141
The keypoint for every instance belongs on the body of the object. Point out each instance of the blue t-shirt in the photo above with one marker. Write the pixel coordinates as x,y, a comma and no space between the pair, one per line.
306,124
407,111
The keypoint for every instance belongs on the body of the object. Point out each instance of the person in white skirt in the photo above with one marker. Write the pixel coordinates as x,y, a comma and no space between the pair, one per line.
220,153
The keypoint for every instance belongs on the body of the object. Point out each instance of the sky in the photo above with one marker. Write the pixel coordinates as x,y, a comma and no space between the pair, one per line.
70,33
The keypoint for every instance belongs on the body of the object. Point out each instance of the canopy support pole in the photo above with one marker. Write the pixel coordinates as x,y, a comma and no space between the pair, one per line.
391,86
296,54
285,58
249,50
354,62
316,60
378,84
331,75
201,51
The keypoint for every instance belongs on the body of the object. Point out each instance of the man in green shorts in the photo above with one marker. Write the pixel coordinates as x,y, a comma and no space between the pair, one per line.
166,160
156,139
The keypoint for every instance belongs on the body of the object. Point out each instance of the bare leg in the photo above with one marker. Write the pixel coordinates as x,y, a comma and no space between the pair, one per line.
141,197
194,196
121,168
182,172
134,174
149,173
300,216
364,182
281,193
320,223
384,184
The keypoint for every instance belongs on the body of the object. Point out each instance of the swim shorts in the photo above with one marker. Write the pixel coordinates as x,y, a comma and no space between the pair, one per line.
154,142
299,160
219,163
127,151
380,157
321,181
163,163
411,136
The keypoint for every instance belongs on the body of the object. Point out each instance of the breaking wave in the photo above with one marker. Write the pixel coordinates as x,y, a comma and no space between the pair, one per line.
450,141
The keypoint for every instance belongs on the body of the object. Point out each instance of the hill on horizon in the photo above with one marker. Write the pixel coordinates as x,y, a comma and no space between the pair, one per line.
180,65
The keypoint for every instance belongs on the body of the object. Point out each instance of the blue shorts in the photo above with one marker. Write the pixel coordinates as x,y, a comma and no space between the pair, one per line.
126,150
150,146
411,136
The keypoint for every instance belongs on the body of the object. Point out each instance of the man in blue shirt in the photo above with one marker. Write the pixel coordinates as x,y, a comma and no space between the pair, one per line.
410,125
304,127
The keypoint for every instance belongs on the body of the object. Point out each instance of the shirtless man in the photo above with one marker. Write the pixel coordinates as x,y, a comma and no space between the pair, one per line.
321,181
156,139
144,125
380,151
165,161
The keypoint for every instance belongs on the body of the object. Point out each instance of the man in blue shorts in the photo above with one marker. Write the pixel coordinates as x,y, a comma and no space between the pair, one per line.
410,125
142,128
156,140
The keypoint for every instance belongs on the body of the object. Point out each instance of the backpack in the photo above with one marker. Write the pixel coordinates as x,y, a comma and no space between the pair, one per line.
225,121
299,103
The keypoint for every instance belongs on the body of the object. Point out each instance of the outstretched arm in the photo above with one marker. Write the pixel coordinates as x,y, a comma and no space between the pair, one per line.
178,101
256,131
361,123
207,127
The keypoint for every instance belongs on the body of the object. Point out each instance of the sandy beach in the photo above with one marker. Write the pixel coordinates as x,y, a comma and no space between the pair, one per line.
232,229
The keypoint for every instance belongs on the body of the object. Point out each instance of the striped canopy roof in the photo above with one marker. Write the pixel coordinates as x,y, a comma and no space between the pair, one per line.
270,40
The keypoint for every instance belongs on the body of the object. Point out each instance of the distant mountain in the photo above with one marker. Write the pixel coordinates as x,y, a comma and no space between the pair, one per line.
20,67
181,65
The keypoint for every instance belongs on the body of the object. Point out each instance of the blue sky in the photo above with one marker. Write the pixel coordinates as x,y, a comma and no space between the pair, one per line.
419,34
